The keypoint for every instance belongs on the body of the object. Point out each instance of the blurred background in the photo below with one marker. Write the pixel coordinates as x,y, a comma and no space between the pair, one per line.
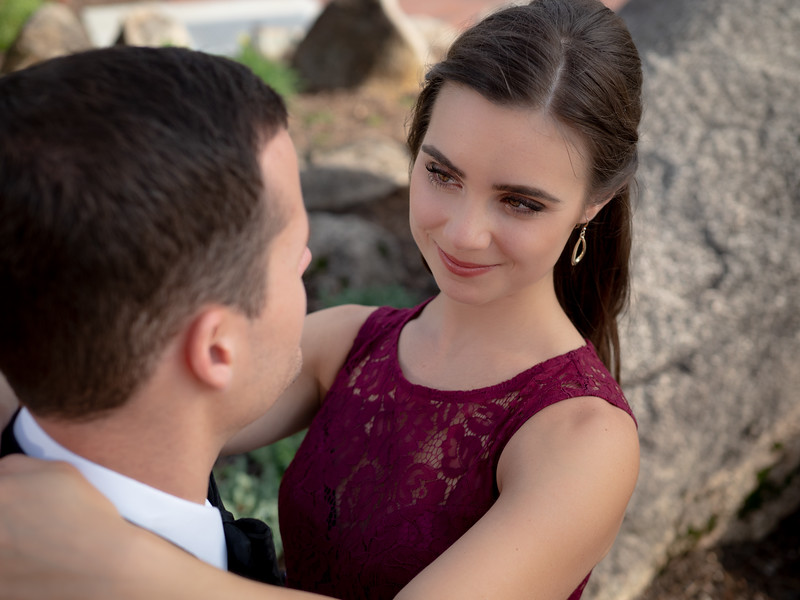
712,337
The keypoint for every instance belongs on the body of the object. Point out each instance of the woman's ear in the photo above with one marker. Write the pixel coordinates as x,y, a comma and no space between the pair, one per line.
210,345
591,210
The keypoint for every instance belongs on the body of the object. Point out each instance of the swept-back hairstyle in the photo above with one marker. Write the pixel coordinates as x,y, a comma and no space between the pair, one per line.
130,195
575,61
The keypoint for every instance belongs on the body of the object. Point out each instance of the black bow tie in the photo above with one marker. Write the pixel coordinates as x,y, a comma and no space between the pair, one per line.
251,550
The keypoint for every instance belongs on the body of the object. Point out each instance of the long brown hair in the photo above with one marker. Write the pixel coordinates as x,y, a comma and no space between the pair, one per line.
574,60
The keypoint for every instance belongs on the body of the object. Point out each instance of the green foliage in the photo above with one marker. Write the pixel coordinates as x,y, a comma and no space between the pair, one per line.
13,15
323,117
387,295
768,488
282,78
248,483
695,535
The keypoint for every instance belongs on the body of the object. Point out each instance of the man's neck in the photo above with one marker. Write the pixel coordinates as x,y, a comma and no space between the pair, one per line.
175,459
190,523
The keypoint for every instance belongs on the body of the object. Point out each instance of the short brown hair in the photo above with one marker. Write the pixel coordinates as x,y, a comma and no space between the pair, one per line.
130,194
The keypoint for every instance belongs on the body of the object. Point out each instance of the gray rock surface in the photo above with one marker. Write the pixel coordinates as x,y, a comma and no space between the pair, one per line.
359,172
277,42
713,335
361,43
350,252
53,30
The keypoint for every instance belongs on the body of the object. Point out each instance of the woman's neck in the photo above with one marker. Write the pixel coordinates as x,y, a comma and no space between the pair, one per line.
452,345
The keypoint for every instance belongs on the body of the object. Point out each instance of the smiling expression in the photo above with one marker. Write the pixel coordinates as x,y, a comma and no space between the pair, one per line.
495,193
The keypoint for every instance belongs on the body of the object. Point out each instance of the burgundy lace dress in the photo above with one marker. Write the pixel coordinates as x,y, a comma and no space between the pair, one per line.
391,473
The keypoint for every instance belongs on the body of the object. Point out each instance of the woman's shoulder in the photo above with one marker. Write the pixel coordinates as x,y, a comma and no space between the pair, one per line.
577,373
338,319
562,385
341,325
585,436
335,327
332,335
328,335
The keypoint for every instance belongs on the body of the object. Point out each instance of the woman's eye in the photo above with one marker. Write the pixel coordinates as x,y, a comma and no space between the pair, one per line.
522,205
439,176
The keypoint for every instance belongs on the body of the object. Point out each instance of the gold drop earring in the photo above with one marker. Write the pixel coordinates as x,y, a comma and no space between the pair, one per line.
579,251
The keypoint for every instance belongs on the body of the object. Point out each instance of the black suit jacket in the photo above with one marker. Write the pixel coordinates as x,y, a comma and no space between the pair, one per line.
251,550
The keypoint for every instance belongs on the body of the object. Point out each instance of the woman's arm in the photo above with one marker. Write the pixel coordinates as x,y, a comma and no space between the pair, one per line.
565,479
327,338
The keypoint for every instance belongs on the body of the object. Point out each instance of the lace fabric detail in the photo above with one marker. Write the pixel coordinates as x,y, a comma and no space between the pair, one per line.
391,473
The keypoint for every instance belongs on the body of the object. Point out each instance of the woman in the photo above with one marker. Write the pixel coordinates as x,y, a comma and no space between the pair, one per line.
476,446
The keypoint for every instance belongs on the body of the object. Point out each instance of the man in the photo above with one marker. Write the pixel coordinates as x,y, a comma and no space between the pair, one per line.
152,243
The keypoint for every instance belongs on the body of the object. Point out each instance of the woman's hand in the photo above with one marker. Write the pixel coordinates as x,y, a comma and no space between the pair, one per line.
61,539
49,515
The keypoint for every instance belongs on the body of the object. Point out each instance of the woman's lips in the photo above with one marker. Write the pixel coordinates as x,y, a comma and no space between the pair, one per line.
462,269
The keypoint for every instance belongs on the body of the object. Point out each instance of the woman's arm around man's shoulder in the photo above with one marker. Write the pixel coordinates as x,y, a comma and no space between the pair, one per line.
328,336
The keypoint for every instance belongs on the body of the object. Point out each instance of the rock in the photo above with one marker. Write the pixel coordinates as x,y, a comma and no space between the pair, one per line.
360,172
711,342
150,27
277,42
361,43
349,252
438,36
53,30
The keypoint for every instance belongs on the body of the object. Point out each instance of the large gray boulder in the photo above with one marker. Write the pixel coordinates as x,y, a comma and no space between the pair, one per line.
361,43
350,253
365,170
148,26
711,344
53,30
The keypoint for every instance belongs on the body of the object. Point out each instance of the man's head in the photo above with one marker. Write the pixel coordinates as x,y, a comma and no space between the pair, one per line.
131,194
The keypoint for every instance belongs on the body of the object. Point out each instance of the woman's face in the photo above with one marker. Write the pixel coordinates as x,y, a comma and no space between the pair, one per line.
495,194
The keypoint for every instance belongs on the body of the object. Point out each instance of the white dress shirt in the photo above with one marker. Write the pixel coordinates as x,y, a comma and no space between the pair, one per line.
196,528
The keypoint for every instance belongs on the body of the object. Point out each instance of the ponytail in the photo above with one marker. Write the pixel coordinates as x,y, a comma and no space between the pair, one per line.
595,292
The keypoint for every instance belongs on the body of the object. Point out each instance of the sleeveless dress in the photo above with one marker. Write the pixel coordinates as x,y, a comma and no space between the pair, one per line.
391,473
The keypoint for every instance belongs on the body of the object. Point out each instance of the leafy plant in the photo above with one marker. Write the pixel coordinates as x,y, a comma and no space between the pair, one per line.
248,483
282,78
13,15
319,117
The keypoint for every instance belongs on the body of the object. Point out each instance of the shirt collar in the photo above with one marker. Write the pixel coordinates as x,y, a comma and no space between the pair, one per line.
194,527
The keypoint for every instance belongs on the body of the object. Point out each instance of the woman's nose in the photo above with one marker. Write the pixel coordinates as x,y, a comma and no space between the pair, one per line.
468,227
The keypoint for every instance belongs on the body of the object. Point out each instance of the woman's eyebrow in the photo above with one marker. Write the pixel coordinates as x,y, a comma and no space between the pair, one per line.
524,190
432,151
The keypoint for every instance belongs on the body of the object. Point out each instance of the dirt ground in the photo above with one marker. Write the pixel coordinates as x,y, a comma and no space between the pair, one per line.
330,119
767,570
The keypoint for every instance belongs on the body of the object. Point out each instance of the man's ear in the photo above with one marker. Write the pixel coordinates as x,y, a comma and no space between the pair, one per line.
210,346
